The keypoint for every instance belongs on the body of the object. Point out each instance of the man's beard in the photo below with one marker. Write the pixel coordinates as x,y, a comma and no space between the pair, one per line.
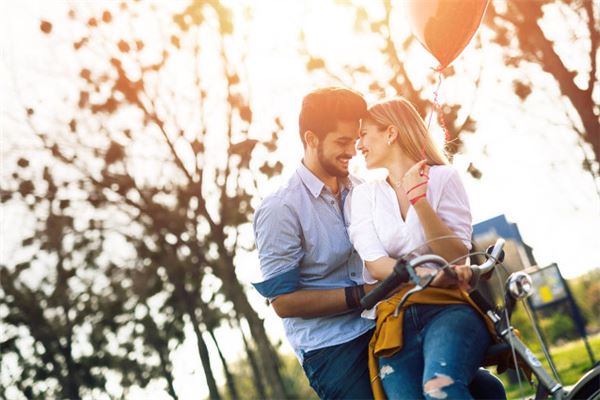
330,167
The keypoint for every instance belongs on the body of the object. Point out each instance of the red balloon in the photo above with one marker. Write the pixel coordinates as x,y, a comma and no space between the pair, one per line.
445,27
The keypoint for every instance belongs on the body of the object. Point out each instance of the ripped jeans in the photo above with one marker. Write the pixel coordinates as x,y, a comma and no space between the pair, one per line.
443,348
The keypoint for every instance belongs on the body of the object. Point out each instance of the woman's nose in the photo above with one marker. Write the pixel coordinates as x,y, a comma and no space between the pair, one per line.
359,145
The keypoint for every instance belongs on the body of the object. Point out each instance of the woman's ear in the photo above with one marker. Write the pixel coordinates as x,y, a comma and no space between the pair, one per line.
392,133
311,139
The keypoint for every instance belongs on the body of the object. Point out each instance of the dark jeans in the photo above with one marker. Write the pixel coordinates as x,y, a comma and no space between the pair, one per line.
341,372
443,348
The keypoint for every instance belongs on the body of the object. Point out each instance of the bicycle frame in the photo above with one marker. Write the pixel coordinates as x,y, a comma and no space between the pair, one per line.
547,384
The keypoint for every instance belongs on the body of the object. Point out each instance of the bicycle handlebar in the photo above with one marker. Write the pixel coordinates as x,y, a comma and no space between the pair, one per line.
404,271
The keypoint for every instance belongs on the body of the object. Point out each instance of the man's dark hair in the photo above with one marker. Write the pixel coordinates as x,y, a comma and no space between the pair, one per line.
323,108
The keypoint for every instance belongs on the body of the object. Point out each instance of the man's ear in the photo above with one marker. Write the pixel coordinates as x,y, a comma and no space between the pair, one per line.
392,133
311,139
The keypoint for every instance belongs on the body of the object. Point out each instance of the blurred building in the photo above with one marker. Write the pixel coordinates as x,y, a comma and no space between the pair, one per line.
518,255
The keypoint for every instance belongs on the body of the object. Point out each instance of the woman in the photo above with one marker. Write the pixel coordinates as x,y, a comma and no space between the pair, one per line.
436,344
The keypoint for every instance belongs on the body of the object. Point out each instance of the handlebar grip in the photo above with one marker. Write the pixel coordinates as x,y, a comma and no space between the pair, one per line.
397,277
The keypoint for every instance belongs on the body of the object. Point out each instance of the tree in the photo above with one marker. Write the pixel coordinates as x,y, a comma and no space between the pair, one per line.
525,21
519,29
137,223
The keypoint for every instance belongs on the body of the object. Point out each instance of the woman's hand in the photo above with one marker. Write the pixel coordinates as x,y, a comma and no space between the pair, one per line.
462,277
415,181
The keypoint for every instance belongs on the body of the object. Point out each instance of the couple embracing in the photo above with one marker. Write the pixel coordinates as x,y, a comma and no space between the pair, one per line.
325,239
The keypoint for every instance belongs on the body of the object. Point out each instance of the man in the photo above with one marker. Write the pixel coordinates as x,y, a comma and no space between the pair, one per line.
312,274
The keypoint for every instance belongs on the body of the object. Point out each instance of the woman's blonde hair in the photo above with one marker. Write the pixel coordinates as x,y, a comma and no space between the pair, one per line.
413,136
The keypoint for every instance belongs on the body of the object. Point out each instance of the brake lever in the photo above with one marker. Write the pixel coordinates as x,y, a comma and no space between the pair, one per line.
421,282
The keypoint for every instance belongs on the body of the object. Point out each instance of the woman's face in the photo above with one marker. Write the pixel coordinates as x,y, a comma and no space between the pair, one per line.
372,143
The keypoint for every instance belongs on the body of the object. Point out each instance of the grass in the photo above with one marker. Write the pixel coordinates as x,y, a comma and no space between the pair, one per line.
571,361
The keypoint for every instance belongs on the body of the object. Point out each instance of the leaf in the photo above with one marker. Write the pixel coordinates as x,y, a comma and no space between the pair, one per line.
521,89
114,153
83,99
123,46
25,188
315,63
86,74
246,113
46,27
106,16
475,173
244,147
197,146
79,44
175,41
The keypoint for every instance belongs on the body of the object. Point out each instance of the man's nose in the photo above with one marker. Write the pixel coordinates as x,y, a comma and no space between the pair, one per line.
351,150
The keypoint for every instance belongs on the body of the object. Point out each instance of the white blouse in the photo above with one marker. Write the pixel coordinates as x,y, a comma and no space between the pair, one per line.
376,227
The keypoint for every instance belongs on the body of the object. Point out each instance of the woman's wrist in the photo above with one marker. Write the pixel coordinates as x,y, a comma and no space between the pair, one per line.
417,199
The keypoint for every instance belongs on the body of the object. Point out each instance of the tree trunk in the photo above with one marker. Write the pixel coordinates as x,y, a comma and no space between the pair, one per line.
268,355
190,309
534,41
228,375
205,358
258,379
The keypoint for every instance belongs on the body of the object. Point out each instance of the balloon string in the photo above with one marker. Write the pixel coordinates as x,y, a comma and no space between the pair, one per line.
437,108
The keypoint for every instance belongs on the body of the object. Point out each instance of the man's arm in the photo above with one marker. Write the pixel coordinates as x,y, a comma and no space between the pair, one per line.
313,303
310,303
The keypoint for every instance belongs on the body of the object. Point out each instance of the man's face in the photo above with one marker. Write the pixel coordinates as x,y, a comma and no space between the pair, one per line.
338,147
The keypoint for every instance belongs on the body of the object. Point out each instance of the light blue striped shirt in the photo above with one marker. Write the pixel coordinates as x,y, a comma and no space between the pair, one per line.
303,244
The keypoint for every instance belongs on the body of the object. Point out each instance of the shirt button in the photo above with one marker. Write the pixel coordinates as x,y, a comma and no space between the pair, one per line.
332,202
352,274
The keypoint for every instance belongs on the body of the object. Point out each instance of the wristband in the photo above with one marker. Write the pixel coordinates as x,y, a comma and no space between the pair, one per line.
414,200
353,295
416,186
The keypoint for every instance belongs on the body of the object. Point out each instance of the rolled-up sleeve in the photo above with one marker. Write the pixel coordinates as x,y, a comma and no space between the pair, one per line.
361,230
278,238
454,208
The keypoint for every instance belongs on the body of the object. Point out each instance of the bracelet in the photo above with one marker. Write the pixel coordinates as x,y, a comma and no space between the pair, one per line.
353,295
414,200
416,186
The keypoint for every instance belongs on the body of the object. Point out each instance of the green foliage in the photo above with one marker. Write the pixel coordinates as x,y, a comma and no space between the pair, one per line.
586,290
559,328
571,360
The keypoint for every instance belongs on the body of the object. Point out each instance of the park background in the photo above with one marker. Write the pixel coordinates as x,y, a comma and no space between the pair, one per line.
139,136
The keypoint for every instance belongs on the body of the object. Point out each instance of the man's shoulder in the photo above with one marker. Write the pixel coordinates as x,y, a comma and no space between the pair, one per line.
286,196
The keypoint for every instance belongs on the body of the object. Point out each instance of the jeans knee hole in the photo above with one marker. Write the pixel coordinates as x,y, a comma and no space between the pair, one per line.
434,386
385,371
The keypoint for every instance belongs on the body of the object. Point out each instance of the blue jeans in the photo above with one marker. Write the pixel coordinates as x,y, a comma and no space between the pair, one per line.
342,372
443,348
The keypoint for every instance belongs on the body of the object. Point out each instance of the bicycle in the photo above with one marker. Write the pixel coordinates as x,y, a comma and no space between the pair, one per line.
518,286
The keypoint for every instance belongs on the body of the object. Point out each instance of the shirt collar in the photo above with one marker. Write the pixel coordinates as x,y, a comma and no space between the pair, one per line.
315,185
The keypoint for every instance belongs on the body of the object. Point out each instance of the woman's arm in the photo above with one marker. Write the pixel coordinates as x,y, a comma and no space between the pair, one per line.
453,206
433,227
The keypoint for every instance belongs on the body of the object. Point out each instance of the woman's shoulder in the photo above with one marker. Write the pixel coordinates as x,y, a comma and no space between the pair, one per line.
441,174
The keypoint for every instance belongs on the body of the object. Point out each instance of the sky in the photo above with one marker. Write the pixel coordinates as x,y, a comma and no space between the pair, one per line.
529,158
